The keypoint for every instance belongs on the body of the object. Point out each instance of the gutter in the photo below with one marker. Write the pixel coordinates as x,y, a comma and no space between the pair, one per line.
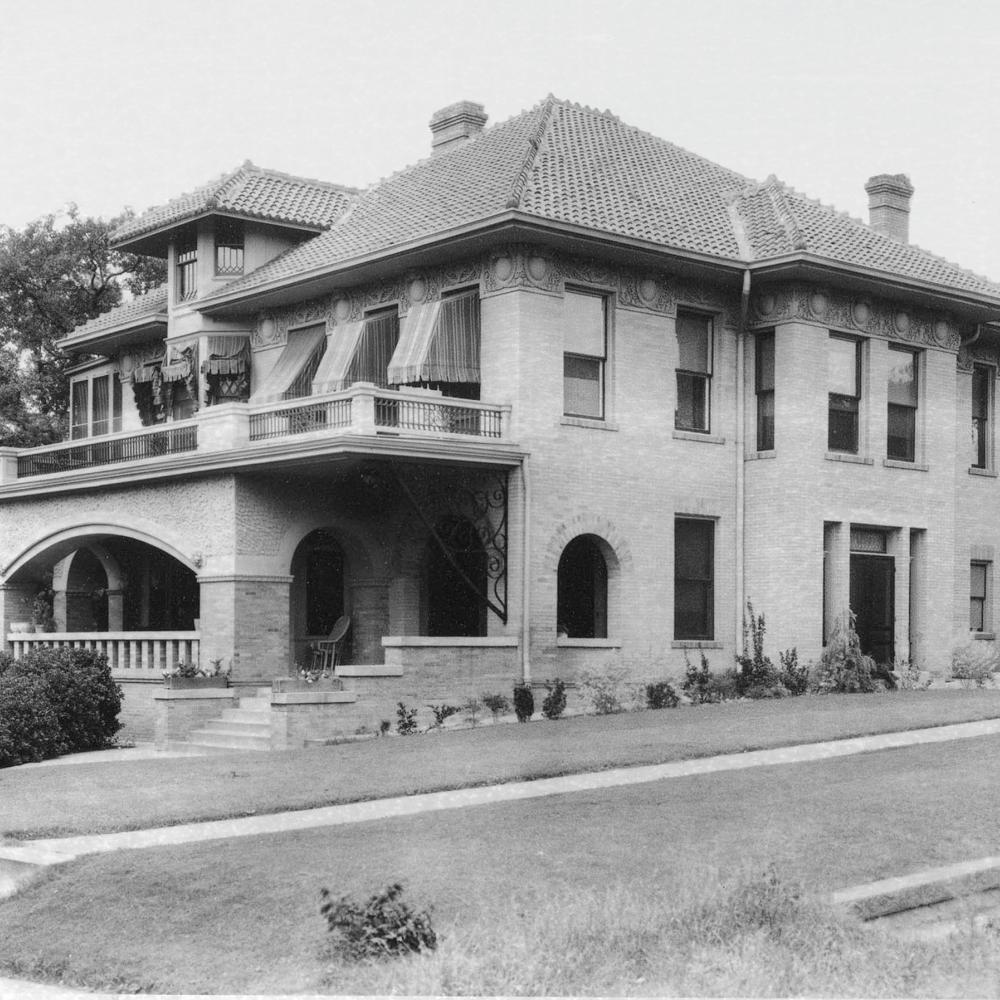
526,575
741,335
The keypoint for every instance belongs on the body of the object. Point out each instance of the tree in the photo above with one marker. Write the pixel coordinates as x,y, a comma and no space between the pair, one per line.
56,273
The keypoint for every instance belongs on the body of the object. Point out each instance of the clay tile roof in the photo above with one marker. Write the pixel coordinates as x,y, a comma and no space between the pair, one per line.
143,308
569,164
248,191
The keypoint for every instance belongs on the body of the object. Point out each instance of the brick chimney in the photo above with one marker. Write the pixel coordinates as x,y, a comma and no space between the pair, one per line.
456,124
889,205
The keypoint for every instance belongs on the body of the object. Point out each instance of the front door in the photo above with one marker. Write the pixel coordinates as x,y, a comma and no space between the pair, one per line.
872,601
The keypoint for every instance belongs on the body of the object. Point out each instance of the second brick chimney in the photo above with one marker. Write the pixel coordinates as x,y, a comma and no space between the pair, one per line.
889,205
456,124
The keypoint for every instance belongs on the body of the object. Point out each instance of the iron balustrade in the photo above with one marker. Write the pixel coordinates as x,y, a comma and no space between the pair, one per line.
446,417
173,441
300,419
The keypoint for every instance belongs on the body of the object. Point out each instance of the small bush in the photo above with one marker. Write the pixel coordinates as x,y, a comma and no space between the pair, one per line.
793,677
697,679
29,723
442,713
524,702
724,687
756,671
974,663
472,707
406,719
843,668
909,675
384,726
661,695
382,927
605,690
498,704
555,701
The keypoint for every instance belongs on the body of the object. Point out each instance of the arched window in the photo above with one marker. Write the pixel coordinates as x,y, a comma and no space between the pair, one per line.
582,603
453,608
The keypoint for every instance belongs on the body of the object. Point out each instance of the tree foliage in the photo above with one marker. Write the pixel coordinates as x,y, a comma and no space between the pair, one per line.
56,273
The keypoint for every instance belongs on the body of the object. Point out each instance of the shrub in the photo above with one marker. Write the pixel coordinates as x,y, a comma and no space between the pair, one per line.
29,724
725,687
697,679
524,702
604,689
661,695
79,687
382,927
974,663
756,671
910,677
472,707
793,676
384,726
555,701
442,713
843,668
406,719
498,704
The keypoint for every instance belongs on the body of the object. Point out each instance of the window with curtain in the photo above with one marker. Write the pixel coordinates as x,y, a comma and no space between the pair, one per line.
80,409
694,578
764,385
982,404
694,372
585,342
844,392
375,349
95,405
901,435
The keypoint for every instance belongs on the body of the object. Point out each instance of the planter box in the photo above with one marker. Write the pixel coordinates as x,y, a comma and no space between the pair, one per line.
283,685
21,627
188,683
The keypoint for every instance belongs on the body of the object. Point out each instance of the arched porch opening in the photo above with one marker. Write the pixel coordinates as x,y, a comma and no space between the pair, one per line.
318,593
455,577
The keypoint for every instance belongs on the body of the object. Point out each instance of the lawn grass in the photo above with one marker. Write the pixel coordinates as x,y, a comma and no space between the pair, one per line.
242,916
130,795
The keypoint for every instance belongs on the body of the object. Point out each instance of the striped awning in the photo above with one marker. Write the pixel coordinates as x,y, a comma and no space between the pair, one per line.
140,365
226,356
331,376
181,360
301,346
439,342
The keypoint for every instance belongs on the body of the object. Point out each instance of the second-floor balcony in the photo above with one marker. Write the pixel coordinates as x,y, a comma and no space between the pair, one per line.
361,418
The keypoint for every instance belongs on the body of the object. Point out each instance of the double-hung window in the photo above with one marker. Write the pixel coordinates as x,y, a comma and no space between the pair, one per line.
844,385
694,372
982,404
978,614
585,346
764,387
95,406
901,436
694,578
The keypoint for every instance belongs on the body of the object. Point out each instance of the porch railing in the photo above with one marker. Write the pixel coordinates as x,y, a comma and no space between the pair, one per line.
300,418
130,654
106,451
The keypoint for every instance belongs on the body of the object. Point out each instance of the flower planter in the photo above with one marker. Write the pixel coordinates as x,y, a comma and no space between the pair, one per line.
283,685
21,627
187,683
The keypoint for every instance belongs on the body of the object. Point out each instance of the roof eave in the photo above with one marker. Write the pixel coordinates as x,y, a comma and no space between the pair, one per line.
108,340
979,305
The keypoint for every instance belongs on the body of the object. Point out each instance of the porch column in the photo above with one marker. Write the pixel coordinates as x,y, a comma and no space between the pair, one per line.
245,619
899,549
836,572
404,605
369,604
15,606
116,610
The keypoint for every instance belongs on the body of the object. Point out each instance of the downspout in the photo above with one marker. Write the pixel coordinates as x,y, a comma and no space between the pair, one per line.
739,456
525,573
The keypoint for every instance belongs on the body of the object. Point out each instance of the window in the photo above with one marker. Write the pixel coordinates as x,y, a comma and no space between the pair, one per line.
187,272
228,247
844,383
764,385
902,429
95,405
375,349
694,372
584,354
978,616
582,602
694,578
982,405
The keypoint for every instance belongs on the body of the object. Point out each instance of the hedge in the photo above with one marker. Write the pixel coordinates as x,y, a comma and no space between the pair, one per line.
56,701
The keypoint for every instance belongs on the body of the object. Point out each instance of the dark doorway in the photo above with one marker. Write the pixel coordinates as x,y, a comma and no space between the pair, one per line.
453,607
873,602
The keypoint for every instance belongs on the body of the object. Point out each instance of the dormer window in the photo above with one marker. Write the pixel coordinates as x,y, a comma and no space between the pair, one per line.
187,272
228,247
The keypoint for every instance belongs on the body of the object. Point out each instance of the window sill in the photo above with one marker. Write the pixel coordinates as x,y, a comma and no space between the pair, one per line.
986,473
565,643
696,644
755,456
843,456
895,463
593,422
698,436
988,636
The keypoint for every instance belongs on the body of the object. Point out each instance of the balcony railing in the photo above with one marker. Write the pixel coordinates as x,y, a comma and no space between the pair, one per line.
130,654
300,418
107,451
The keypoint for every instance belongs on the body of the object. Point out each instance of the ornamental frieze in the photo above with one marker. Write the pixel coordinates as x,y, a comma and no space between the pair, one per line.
977,353
864,314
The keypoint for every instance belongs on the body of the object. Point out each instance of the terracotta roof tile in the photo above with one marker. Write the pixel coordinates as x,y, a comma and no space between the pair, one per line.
142,308
248,191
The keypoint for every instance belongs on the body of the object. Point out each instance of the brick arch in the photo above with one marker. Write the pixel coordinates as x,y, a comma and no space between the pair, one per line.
362,553
616,549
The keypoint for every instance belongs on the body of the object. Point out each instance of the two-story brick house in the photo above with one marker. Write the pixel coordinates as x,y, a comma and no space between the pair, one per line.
559,395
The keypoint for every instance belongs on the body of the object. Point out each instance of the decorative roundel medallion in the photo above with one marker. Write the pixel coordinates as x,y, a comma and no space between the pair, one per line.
647,290
537,267
418,290
267,330
768,303
342,309
817,304
902,322
503,268
942,332
862,312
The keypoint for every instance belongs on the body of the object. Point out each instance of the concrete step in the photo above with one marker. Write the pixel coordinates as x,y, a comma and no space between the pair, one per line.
229,741
256,704
237,727
247,715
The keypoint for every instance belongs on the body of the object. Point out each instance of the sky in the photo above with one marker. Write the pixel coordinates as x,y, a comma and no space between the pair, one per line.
114,103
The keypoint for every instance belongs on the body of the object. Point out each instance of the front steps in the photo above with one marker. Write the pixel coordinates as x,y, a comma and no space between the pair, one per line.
247,727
